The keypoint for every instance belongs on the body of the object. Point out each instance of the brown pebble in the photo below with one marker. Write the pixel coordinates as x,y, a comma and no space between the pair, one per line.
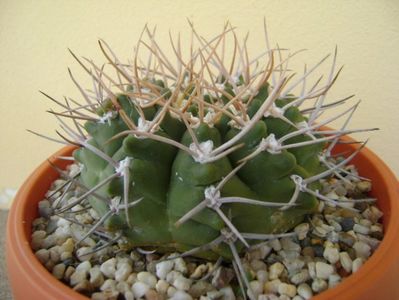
152,295
352,253
83,287
68,272
316,242
377,235
308,251
346,238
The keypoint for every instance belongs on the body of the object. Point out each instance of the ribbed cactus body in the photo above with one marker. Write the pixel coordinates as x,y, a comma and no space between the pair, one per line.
171,182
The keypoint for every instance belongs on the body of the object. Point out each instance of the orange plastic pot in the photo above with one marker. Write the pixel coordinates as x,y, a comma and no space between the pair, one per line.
378,278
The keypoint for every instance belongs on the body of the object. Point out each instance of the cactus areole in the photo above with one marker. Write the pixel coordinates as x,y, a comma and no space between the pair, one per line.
207,155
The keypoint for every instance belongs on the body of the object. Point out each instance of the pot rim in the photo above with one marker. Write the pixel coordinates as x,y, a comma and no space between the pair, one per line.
18,235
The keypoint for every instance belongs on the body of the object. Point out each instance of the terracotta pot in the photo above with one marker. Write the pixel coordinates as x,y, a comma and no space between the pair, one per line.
377,279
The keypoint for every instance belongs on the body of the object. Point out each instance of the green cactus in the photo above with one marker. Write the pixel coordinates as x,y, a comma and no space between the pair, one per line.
201,157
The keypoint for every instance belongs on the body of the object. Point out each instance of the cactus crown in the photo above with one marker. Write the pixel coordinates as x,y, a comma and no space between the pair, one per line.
208,155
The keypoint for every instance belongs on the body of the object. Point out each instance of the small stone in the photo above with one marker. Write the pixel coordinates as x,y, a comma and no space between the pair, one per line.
108,285
289,245
272,286
356,264
43,255
361,229
318,250
163,268
262,276
347,223
58,271
302,230
312,269
147,278
77,277
256,288
228,293
331,254
297,298
68,245
323,270
171,291
287,289
308,251
96,277
84,267
333,280
162,286
319,285
172,275
139,289
152,295
68,273
275,244
83,287
181,295
257,265
108,268
213,295
132,278
128,295
305,291
300,277
264,251
55,254
180,265
123,272
346,238
182,283
83,254
362,249
363,186
200,288
65,256
275,270
377,235
198,272
346,261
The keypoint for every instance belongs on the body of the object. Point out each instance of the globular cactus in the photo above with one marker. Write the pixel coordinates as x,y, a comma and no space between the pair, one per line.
207,156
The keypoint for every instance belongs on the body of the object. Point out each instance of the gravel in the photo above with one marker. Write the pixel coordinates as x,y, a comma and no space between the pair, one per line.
327,247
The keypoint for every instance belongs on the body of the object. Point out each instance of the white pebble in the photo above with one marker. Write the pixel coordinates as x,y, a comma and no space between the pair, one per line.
361,229
128,295
147,278
333,280
319,285
171,291
272,286
323,270
122,287
297,298
139,289
302,230
228,293
300,277
182,283
123,272
362,249
287,289
96,277
180,265
257,265
331,254
108,268
289,245
356,264
264,251
312,269
84,267
163,268
77,277
305,291
181,295
108,285
172,275
262,276
346,261
275,270
268,297
256,288
84,253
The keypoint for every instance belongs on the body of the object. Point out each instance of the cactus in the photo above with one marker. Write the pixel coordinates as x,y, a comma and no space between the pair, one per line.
208,156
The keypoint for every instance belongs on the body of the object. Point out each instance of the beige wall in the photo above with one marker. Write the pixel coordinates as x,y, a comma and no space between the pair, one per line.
34,36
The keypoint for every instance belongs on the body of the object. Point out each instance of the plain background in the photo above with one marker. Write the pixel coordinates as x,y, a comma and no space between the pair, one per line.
35,35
